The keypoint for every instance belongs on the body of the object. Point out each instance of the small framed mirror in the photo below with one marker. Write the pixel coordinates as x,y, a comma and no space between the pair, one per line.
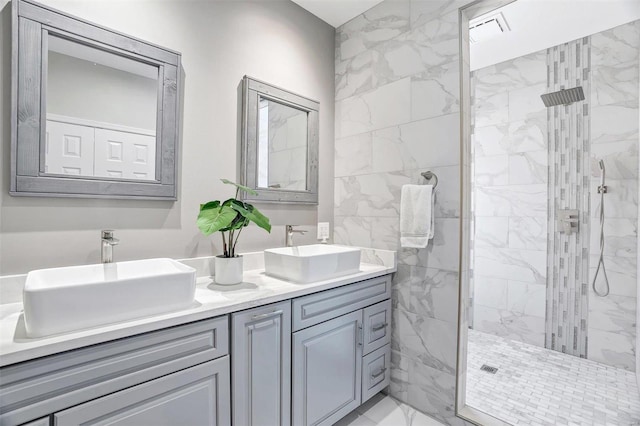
95,112
279,144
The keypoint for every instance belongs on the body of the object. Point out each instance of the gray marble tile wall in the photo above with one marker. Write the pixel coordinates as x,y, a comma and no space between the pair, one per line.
397,115
509,191
614,138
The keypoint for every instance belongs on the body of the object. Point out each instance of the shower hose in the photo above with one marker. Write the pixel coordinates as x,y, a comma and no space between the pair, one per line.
602,191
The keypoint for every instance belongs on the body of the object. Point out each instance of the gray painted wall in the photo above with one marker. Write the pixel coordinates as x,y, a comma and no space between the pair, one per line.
275,41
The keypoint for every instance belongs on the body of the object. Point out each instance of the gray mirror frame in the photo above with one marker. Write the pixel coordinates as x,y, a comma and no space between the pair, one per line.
252,90
31,24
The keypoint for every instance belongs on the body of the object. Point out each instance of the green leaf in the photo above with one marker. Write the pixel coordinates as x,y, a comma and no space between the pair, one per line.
240,187
251,213
213,217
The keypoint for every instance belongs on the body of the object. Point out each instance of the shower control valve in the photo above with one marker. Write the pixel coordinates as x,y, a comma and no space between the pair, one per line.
568,220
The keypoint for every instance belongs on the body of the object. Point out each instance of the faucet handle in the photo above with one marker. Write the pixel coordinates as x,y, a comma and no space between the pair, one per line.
107,235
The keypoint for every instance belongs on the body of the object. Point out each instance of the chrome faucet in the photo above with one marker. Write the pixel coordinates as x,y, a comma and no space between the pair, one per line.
290,232
108,241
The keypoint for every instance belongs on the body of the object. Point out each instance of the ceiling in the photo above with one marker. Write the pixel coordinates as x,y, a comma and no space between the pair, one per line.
337,12
538,24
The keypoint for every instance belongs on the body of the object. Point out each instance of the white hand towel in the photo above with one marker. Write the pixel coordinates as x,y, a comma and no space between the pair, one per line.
416,215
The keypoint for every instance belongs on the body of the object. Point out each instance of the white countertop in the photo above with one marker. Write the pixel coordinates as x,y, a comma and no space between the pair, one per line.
211,300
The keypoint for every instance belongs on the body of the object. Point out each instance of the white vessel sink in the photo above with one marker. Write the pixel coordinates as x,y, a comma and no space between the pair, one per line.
66,299
306,264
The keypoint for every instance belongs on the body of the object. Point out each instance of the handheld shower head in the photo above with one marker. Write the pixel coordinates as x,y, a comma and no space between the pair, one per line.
601,164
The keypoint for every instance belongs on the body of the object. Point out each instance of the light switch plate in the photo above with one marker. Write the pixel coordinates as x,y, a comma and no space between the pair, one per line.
323,231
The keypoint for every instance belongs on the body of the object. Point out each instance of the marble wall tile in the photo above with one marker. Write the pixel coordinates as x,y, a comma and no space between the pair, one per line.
355,75
424,143
369,195
428,340
613,123
442,252
622,273
491,110
490,291
528,233
491,171
383,107
621,199
373,232
511,200
618,45
511,75
620,237
615,83
612,349
384,21
615,314
526,102
528,167
353,155
527,298
437,39
434,293
519,327
435,92
431,391
511,264
520,136
491,231
620,159
423,11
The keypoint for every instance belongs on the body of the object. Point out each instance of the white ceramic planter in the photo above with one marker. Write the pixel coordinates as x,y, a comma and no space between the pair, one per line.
228,270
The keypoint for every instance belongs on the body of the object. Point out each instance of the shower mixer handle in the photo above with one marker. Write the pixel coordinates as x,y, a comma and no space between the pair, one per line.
568,220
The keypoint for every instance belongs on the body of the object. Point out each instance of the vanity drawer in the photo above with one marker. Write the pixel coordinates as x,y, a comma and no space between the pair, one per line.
316,308
37,388
377,326
376,372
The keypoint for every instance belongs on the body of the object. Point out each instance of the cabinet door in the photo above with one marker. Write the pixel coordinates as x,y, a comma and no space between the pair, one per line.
197,396
261,376
327,363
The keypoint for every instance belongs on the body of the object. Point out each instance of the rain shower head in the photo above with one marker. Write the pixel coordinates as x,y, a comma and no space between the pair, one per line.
563,97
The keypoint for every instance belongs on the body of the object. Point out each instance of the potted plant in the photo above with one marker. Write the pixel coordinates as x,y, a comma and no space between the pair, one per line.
230,218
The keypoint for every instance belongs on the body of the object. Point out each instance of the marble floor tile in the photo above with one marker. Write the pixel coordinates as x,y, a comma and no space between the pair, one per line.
383,410
534,385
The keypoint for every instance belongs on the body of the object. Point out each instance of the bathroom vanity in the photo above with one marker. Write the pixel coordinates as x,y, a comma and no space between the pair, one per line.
267,351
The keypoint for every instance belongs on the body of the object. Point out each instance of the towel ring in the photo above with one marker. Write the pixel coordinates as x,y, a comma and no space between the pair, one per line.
430,175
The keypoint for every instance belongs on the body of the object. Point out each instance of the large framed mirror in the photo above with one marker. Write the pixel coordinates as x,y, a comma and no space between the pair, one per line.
94,112
279,144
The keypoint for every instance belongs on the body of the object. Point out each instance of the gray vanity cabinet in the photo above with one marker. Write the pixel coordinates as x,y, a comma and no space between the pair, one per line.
261,367
340,335
197,396
173,374
327,360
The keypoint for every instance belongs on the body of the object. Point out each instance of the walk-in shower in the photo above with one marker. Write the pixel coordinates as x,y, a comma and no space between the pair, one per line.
551,193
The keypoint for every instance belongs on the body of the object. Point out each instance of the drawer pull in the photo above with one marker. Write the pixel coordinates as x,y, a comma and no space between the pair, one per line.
267,315
379,326
379,373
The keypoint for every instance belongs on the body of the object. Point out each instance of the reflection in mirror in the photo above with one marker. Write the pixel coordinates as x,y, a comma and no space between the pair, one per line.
282,146
101,113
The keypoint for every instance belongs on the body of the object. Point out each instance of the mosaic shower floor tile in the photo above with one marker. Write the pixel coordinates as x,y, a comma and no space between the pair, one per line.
537,386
